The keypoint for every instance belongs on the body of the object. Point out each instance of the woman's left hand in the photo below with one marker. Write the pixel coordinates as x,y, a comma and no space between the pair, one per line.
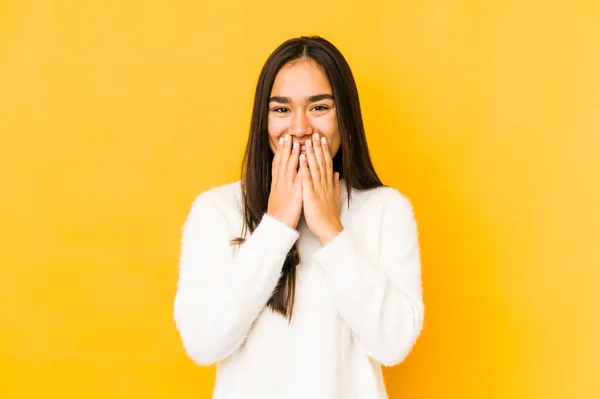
321,190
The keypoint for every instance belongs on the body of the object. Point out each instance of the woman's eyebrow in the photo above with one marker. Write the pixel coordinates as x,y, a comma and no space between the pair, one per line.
319,97
311,99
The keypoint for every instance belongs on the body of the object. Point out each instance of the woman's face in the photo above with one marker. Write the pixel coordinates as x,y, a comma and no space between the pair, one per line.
301,104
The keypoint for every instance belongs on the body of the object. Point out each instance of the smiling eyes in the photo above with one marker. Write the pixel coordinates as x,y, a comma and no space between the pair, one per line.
318,108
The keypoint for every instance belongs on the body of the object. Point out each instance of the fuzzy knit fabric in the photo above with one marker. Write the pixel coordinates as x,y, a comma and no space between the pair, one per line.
358,302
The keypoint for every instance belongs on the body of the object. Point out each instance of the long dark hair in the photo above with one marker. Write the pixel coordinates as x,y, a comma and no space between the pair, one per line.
352,160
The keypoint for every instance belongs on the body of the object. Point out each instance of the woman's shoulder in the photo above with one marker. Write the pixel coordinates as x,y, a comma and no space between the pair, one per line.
384,198
225,197
383,195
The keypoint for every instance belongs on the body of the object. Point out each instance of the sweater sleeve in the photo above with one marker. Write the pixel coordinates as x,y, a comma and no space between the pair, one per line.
221,290
380,299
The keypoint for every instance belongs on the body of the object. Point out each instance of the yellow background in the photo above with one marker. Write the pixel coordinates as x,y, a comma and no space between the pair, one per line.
114,115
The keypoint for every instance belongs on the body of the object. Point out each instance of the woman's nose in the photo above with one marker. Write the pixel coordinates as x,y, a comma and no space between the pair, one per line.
300,124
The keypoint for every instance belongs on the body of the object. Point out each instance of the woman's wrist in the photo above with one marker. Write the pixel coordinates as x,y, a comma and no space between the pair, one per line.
330,234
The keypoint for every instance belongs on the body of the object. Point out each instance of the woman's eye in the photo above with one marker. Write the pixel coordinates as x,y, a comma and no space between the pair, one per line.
320,108
280,110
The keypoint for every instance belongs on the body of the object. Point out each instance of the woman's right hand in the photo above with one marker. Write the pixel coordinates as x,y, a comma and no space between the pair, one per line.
285,198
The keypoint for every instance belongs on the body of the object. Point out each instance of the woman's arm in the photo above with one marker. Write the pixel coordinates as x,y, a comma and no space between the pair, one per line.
381,300
221,292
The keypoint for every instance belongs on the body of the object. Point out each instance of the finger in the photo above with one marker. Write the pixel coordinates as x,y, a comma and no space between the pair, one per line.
298,182
320,160
292,165
285,156
276,158
338,185
305,174
328,160
313,165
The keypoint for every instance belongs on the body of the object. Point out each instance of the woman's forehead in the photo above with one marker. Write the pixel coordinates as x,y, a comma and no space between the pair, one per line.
300,80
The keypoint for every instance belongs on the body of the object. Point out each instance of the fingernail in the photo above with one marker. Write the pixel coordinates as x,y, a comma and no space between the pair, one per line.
281,140
323,140
316,136
295,145
309,142
287,137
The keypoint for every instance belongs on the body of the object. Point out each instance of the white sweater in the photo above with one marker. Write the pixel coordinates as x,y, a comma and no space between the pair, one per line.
358,301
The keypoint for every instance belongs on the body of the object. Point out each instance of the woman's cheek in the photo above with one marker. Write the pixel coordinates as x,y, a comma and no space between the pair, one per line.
276,127
328,130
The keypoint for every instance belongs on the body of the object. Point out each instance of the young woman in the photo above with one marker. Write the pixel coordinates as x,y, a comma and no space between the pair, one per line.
304,277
